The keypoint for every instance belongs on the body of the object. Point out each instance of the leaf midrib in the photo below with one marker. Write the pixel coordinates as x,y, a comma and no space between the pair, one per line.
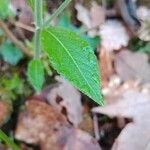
72,60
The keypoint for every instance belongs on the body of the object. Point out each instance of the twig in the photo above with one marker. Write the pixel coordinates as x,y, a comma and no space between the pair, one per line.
57,12
24,26
11,36
21,25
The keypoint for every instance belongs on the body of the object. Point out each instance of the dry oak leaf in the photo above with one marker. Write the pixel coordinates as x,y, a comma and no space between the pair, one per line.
136,134
132,66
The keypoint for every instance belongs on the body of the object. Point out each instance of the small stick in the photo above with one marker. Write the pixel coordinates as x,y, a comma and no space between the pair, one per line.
24,26
11,36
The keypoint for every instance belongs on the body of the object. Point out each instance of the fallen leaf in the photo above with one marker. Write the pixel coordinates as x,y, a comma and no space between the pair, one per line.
115,89
42,125
113,35
69,98
38,122
132,66
134,105
82,141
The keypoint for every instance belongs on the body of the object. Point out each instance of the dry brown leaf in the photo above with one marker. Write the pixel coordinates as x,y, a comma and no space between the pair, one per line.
40,124
134,105
132,66
69,98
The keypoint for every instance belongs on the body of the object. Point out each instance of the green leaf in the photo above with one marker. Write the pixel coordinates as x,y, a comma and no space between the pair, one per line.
4,9
65,22
8,141
13,84
31,3
36,74
10,53
73,58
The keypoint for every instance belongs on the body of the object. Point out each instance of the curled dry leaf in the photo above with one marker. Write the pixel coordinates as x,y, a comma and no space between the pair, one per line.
40,124
113,35
66,96
128,66
134,105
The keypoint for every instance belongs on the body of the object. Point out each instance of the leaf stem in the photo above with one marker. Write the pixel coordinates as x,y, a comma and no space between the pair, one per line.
38,18
57,12
8,141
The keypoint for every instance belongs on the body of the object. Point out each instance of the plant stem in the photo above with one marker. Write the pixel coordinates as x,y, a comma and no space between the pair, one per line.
38,18
57,12
8,141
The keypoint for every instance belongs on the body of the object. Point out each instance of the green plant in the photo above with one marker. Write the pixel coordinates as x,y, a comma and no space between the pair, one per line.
8,141
70,55
67,51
